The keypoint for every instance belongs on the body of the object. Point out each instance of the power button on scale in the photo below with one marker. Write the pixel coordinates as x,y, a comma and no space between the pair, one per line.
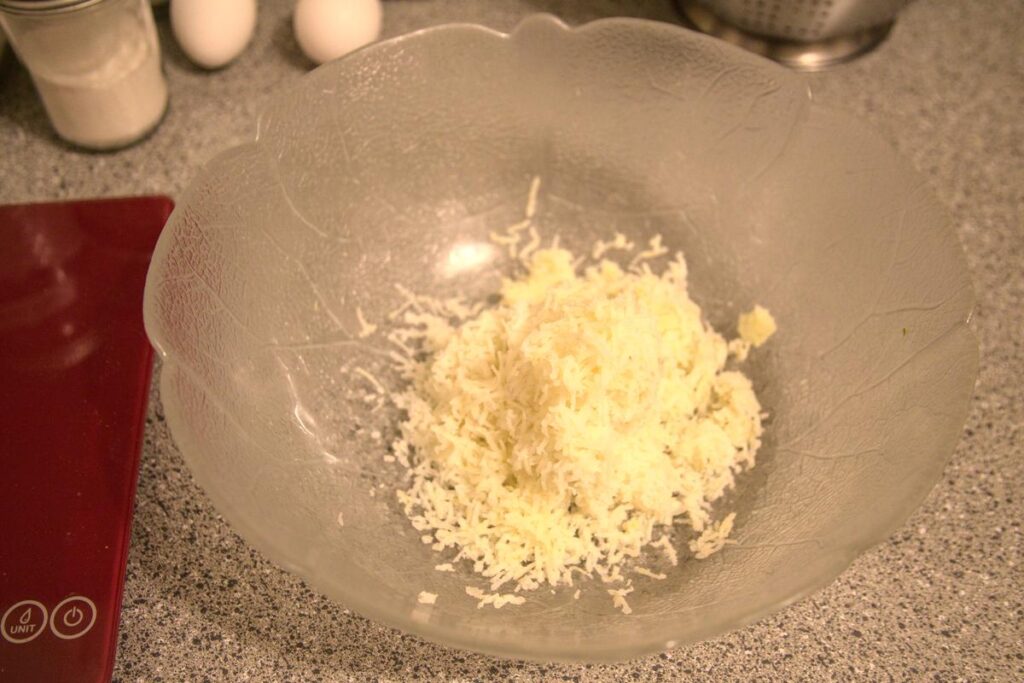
72,617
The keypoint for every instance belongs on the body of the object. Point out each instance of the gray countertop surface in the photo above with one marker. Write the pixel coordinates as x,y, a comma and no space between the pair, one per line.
939,600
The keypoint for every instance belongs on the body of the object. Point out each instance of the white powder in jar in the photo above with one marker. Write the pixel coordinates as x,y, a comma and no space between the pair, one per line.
97,71
112,106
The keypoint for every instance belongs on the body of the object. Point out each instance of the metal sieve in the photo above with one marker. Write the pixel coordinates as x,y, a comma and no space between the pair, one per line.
804,34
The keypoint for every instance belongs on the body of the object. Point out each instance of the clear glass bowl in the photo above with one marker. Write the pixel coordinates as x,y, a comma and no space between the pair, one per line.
391,166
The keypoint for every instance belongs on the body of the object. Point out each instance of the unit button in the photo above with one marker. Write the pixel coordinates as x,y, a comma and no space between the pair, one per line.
23,621
73,617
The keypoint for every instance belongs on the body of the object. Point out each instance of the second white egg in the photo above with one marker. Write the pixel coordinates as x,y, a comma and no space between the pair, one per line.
328,29
213,32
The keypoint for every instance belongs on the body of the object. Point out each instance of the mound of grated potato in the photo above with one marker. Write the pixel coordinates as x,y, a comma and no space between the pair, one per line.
562,430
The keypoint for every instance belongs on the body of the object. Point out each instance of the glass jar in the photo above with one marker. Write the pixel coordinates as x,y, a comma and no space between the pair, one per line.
95,64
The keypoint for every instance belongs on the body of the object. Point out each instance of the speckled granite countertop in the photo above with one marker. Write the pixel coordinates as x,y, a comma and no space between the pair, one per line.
940,600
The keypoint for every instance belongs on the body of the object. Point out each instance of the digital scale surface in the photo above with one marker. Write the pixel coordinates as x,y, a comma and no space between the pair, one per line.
75,369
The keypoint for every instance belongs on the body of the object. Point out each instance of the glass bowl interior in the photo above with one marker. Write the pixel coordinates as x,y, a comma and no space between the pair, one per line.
392,166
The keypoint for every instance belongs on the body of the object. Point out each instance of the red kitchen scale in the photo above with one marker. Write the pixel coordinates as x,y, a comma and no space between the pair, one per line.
74,378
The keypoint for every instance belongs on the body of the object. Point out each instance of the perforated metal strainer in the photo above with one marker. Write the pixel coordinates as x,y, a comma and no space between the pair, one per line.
803,34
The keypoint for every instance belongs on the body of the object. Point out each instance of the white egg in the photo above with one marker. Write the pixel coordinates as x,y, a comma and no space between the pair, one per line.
328,29
213,32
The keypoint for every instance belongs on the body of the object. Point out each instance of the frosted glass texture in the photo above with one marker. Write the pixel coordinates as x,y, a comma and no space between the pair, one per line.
392,165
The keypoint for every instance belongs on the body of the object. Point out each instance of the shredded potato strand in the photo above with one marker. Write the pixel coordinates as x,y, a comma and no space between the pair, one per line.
563,429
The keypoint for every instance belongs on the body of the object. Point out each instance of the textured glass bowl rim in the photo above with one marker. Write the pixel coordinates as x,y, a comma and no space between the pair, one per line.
842,557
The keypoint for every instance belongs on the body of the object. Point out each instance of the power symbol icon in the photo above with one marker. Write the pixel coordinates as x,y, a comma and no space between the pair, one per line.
73,617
